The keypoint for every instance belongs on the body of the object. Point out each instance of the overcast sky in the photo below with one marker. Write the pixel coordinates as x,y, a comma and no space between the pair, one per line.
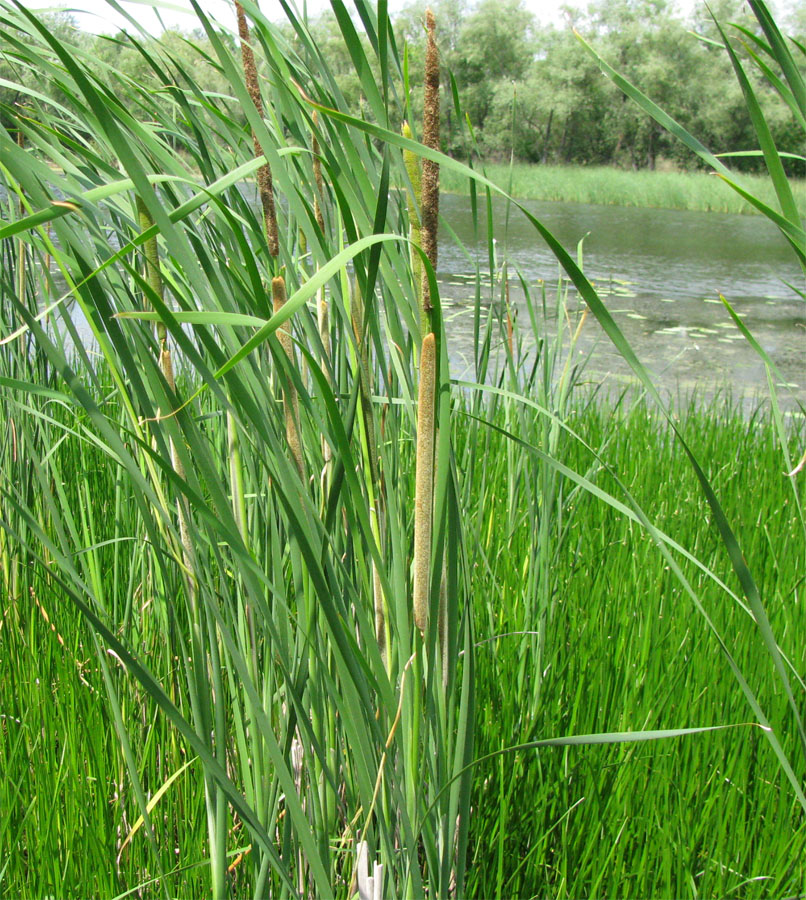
99,17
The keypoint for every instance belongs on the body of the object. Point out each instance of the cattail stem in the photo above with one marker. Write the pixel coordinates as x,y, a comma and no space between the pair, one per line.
371,467
20,243
510,322
323,319
424,481
323,316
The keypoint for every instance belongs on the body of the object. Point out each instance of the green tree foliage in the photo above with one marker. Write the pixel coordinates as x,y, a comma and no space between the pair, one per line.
526,91
17,80
496,47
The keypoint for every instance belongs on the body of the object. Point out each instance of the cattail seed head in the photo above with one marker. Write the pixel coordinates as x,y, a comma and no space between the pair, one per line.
430,180
264,179
290,402
317,177
424,481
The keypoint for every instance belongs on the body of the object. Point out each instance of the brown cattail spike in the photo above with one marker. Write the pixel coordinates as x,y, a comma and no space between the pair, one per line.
290,403
264,180
430,191
424,481
317,177
412,163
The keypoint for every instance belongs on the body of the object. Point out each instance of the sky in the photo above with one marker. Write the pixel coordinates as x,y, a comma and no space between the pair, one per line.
98,17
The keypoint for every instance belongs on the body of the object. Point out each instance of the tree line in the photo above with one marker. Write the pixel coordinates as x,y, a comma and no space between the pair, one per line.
535,93
525,92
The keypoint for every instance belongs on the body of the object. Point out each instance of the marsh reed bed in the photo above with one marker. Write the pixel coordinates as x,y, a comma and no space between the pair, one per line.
609,186
279,595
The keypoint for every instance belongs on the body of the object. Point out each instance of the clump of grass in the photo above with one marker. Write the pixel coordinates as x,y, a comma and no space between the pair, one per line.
625,643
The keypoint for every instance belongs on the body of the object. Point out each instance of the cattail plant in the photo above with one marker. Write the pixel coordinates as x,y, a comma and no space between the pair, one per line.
426,401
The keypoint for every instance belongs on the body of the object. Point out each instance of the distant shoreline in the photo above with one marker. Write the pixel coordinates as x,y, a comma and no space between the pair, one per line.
609,186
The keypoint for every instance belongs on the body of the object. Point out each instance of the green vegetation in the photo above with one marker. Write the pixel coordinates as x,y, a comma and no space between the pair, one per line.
625,649
620,187
281,599
625,645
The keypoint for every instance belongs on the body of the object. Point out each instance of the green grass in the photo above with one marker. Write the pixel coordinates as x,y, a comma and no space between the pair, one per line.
625,645
610,186
227,556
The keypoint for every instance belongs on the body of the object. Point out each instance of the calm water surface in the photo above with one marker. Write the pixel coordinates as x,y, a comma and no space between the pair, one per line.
660,273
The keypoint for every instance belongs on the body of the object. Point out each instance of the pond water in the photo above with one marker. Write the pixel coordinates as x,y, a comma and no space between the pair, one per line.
660,272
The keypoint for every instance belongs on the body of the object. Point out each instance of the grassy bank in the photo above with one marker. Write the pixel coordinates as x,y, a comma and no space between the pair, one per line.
609,186
624,648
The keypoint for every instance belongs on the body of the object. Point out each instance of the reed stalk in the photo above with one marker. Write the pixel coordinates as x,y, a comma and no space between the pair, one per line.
318,182
323,325
322,312
372,477
21,251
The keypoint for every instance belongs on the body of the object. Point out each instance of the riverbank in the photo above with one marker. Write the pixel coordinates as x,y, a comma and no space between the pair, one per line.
608,186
